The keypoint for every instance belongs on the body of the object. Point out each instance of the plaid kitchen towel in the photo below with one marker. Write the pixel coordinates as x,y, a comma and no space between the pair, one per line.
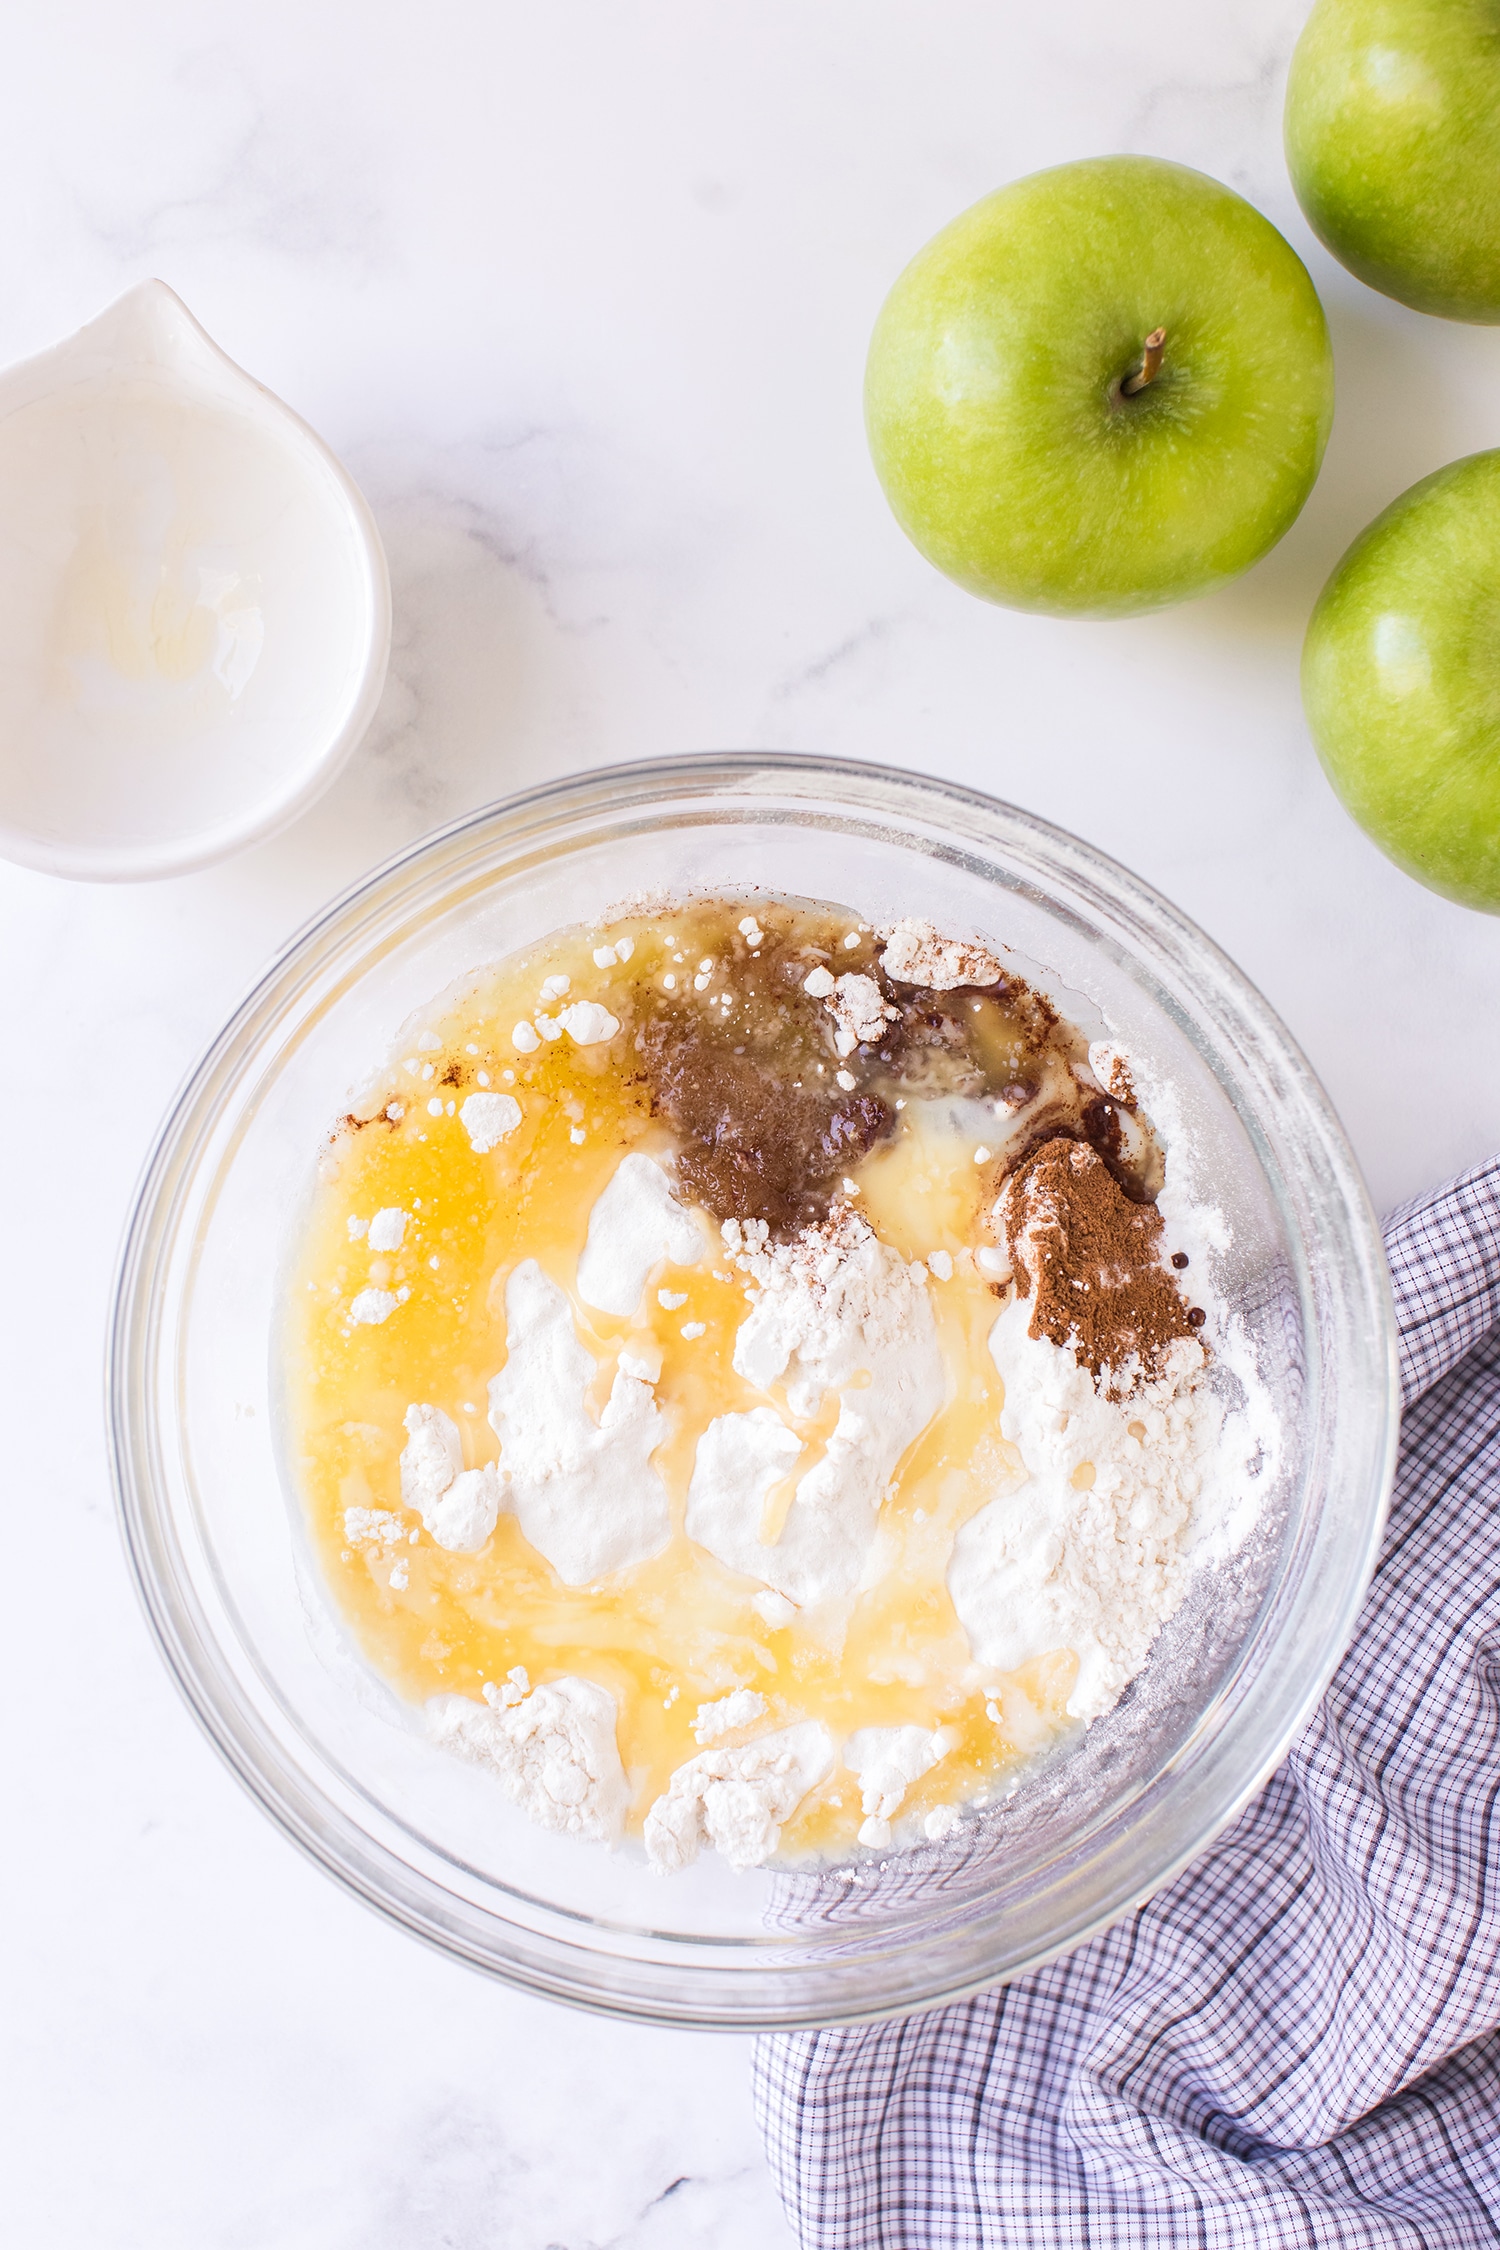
1297,2042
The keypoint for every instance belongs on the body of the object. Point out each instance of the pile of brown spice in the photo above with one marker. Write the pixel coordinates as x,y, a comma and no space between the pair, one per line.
1091,1259
783,1060
751,1142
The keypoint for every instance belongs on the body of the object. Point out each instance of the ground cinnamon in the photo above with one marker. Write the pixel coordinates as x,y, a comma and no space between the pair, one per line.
1091,1258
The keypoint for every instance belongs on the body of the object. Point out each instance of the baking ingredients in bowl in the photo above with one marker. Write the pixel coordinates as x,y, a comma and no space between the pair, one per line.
751,1383
1105,1403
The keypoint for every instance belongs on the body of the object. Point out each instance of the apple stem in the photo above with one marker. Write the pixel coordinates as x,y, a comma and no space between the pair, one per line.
1150,366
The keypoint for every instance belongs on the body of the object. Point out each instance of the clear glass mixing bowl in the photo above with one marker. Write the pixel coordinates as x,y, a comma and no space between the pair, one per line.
250,1633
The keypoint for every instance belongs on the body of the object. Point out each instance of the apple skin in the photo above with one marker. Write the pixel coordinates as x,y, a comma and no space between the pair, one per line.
992,390
1401,681
1393,144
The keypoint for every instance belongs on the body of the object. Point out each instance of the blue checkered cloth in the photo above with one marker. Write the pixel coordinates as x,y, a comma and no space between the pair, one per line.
1297,2042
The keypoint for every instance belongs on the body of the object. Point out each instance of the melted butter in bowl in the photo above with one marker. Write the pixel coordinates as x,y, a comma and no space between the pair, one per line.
646,1400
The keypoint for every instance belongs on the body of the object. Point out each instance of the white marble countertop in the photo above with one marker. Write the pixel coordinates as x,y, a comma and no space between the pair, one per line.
581,294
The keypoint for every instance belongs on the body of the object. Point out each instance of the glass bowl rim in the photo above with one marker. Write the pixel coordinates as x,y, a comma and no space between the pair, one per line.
210,1084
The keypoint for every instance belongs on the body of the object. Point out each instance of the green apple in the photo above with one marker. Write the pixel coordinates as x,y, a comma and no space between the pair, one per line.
1393,144
1105,388
1401,680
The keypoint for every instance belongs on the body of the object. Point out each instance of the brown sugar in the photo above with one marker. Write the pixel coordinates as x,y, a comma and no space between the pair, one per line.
1091,1259
782,1058
750,1143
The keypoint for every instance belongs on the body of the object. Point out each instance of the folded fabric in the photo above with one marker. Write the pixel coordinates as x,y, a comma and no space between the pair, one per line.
1295,2043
